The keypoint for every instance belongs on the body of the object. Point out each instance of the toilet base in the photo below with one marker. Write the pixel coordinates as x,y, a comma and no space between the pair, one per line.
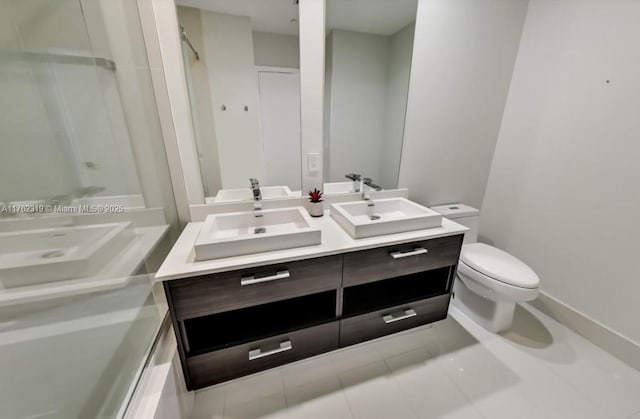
493,316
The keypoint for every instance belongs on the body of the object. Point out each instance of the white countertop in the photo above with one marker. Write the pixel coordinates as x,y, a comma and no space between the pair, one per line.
180,263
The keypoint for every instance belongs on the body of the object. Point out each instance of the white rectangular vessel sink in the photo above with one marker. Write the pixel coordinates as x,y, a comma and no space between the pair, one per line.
245,194
392,215
31,257
235,234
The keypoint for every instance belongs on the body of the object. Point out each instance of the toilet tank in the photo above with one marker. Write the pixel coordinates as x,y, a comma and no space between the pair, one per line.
462,214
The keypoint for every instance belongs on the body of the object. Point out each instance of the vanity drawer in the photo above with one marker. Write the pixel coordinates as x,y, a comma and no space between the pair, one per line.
384,322
216,293
225,364
403,259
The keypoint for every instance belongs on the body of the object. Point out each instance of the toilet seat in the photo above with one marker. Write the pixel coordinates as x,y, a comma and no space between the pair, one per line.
498,265
491,288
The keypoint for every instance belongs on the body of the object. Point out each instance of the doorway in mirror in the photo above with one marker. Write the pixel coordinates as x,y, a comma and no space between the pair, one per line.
279,98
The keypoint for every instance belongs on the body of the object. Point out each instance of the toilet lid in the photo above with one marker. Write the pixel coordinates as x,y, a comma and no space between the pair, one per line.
498,265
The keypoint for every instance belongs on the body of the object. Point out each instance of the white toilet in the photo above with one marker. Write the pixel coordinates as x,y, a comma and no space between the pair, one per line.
489,281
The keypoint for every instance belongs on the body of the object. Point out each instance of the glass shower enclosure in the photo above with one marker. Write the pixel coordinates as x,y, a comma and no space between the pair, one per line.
86,208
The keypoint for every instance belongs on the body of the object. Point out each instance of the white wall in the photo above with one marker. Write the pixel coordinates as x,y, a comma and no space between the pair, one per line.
312,22
563,192
358,74
326,123
464,51
276,50
367,81
400,52
229,58
35,161
109,137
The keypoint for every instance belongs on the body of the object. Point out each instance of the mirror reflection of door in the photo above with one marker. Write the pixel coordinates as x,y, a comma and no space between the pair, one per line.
279,98
242,65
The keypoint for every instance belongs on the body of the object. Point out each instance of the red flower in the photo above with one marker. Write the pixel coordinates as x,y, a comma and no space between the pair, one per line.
315,195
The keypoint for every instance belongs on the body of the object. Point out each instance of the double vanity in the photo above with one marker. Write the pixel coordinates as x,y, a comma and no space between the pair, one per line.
242,302
252,289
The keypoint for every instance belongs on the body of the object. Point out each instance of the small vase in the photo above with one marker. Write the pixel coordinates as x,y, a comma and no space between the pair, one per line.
316,209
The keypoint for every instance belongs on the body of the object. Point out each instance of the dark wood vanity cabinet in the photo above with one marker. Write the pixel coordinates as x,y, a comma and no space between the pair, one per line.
236,323
236,361
225,291
403,259
393,319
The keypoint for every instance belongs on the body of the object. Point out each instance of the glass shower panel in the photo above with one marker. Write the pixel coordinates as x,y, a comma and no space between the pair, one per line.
86,208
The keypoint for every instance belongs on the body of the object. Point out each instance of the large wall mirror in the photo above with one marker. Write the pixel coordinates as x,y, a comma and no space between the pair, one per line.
242,66
369,45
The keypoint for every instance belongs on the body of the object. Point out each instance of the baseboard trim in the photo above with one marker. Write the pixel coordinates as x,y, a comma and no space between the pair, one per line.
611,341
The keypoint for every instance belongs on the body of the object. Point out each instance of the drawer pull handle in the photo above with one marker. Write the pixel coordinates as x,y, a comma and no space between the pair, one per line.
407,315
414,252
257,353
250,280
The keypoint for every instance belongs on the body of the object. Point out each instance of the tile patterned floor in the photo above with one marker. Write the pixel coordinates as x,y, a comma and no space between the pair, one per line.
455,369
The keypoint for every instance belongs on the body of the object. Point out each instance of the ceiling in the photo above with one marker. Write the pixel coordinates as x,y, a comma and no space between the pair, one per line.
382,17
266,15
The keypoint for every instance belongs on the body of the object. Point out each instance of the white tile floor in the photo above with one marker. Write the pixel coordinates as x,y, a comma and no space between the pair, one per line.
454,369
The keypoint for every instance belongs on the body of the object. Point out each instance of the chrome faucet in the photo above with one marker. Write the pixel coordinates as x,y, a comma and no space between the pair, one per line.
257,206
257,197
367,186
356,178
